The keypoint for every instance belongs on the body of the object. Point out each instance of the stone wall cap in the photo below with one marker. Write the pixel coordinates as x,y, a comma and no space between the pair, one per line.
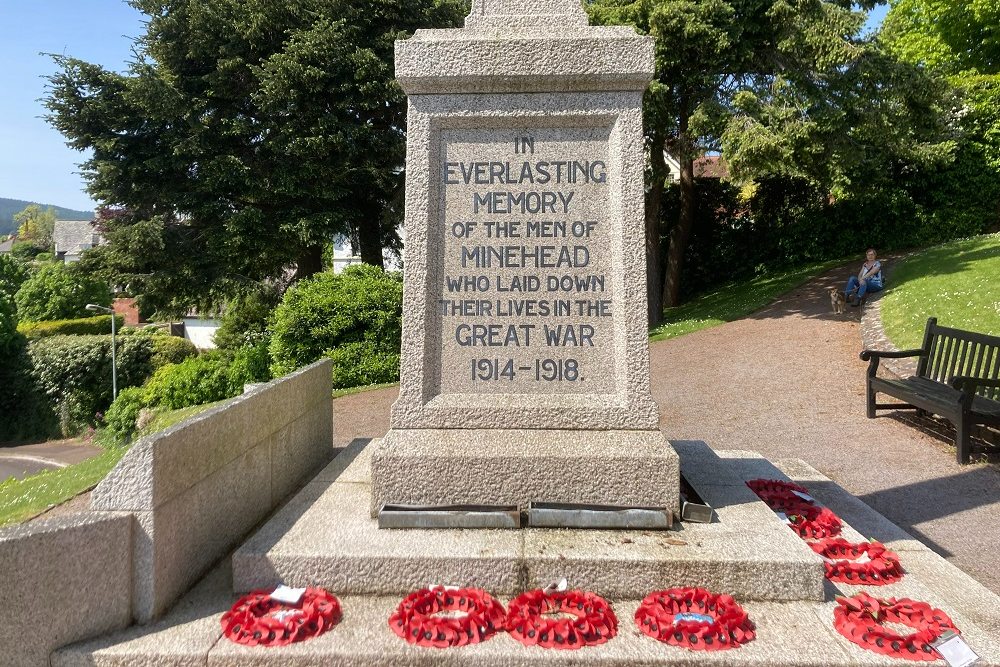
530,59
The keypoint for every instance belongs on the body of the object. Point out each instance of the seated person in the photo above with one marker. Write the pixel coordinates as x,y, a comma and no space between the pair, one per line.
869,279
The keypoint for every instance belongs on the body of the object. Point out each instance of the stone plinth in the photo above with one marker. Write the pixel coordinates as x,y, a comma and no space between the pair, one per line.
525,361
633,468
324,537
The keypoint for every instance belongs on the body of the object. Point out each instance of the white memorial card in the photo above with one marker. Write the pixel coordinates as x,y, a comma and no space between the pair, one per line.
288,595
955,651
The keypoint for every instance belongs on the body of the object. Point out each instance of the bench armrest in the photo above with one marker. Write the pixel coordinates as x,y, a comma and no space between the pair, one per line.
899,354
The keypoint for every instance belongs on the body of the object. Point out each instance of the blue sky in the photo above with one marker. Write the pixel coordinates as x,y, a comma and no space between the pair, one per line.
35,163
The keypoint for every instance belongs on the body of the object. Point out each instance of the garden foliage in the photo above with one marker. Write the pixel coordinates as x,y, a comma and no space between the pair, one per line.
59,292
171,350
74,373
354,317
93,326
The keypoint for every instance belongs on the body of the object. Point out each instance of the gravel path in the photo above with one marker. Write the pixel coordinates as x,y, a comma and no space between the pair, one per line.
786,381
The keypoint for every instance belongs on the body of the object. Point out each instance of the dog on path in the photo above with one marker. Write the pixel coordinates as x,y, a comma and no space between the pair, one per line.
837,300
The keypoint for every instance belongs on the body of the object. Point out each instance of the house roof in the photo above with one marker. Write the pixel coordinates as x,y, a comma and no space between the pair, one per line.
73,236
6,246
711,166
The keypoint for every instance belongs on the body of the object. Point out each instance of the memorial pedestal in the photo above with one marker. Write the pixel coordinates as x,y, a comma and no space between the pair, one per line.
515,467
525,362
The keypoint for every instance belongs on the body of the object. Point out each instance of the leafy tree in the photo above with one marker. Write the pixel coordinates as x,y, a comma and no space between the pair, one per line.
959,41
245,135
760,79
8,322
36,225
59,292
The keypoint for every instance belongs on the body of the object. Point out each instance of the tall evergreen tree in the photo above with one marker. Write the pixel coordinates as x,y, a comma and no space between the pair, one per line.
244,135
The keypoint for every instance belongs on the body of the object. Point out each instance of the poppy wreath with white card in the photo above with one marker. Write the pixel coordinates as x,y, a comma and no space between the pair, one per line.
694,618
561,619
257,619
862,618
867,563
443,617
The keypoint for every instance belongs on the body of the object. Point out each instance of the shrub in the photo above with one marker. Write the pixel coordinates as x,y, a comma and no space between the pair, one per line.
124,412
361,306
12,275
249,364
360,364
203,379
59,292
8,324
24,251
74,373
86,326
171,350
25,414
245,319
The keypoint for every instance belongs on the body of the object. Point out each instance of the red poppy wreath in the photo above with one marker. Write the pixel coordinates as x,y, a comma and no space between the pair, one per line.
694,618
445,617
561,619
259,620
867,563
862,620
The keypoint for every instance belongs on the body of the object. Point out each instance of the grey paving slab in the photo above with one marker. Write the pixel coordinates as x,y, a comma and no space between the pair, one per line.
325,537
352,464
865,522
182,638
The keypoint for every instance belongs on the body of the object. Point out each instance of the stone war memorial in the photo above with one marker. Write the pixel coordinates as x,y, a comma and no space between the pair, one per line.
525,372
524,507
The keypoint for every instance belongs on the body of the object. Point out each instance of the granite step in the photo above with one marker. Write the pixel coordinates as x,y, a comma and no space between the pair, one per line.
788,633
326,537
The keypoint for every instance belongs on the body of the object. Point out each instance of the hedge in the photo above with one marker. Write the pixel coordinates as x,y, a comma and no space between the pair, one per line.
74,373
171,350
85,326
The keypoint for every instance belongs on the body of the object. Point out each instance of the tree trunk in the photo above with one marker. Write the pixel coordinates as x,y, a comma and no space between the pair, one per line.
370,240
310,262
680,232
654,199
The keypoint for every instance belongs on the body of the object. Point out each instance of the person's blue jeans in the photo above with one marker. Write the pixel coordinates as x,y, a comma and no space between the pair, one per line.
869,285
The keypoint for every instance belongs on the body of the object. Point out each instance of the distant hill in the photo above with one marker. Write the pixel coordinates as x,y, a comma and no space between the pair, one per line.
10,207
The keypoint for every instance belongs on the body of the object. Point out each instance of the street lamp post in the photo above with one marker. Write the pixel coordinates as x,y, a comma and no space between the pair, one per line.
93,307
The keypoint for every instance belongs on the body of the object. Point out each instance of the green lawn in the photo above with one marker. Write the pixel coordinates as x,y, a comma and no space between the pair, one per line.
25,498
958,283
21,499
734,300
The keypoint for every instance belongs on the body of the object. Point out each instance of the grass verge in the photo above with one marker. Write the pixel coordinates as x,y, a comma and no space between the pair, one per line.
734,300
956,282
22,499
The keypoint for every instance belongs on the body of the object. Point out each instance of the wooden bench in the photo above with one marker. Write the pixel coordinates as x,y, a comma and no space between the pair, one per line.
958,377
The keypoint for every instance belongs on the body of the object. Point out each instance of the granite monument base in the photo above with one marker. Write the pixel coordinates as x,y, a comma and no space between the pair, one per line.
515,467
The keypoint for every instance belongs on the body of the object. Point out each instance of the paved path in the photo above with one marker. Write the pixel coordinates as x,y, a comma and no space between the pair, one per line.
787,382
26,460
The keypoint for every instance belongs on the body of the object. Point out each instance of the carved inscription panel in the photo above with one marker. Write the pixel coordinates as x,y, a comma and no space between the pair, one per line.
526,302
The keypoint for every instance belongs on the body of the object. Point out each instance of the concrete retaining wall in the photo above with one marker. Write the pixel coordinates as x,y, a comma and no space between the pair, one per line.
198,488
63,580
